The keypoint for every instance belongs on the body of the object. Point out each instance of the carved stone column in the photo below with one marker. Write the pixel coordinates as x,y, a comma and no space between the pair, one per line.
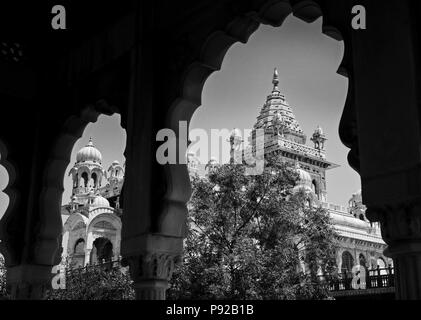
385,141
401,230
151,273
152,266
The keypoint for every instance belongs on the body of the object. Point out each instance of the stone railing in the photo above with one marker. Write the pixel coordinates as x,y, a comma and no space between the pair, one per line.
374,279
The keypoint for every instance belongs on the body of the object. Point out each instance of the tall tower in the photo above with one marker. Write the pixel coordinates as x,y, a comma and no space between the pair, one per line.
284,137
87,173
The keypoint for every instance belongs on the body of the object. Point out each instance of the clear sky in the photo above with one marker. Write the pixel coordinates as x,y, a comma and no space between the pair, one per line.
307,62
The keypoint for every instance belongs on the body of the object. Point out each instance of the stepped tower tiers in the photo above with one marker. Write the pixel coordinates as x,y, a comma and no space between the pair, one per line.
284,137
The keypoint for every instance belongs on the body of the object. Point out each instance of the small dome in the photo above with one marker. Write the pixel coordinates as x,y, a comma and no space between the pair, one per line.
319,130
116,163
100,201
89,153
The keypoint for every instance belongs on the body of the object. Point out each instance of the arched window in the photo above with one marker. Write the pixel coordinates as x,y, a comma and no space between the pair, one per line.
362,261
381,264
95,179
347,262
103,250
79,247
85,179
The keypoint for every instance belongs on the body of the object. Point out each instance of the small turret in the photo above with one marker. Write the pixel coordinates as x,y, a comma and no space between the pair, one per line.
318,138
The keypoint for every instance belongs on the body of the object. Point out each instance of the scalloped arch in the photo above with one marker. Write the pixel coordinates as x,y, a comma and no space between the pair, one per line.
73,220
11,193
50,198
211,58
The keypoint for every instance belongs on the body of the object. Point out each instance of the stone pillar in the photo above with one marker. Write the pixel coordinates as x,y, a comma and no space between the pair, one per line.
152,267
381,125
401,231
155,194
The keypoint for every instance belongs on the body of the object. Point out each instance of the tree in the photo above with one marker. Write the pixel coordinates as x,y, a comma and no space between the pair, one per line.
97,282
249,235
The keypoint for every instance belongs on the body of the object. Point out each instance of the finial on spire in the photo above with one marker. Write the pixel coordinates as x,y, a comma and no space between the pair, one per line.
90,143
275,80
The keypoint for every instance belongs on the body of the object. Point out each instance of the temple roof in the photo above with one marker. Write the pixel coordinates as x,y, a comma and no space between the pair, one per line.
276,114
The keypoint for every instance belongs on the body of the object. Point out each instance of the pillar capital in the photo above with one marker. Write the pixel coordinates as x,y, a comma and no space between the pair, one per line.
401,230
151,273
400,225
151,259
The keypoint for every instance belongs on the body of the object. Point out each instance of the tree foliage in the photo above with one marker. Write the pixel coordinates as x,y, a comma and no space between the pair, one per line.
249,236
97,282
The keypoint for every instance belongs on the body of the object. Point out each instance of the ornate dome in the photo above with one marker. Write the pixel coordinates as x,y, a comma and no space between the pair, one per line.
89,153
100,201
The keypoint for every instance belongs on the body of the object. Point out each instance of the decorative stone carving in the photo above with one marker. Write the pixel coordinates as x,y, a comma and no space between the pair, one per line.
151,273
401,230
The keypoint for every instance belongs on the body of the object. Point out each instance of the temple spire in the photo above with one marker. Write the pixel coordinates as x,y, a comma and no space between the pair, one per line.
275,80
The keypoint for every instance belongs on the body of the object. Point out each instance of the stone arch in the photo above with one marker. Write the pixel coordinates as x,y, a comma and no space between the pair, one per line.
50,199
108,217
382,265
212,54
347,262
102,249
13,196
73,220
84,179
94,177
381,262
98,173
362,260
115,222
315,187
79,246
